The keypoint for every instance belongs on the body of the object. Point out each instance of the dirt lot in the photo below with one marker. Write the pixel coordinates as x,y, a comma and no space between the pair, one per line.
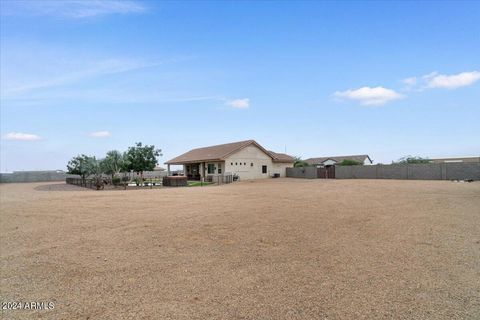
276,249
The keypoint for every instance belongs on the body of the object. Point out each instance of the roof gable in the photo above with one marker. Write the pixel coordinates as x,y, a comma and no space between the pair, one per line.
359,158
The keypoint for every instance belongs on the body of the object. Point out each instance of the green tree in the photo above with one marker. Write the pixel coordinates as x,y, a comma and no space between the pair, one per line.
410,159
140,158
81,165
112,164
347,162
298,162
97,172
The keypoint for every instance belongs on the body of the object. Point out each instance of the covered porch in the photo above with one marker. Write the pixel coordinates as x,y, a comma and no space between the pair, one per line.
200,170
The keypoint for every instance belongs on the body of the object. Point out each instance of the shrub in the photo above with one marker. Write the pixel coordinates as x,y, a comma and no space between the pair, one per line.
410,159
348,162
116,181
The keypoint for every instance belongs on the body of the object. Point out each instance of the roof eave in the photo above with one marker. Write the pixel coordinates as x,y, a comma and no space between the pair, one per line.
193,161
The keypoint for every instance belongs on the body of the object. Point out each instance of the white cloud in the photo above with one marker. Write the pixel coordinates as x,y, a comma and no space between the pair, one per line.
410,81
72,8
100,134
453,81
435,80
20,136
369,95
239,103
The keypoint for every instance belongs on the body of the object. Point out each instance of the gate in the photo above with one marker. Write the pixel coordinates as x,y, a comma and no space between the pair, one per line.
326,173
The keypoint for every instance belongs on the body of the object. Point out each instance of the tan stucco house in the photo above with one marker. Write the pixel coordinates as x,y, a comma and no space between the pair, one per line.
247,159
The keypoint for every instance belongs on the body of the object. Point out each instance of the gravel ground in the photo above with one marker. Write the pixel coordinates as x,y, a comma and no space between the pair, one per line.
273,249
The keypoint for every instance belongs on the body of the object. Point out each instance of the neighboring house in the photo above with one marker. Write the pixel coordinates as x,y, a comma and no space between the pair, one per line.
247,159
331,161
461,159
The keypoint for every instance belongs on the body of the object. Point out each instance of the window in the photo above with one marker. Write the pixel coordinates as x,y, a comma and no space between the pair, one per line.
231,163
211,168
251,164
236,163
240,163
264,169
219,170
244,163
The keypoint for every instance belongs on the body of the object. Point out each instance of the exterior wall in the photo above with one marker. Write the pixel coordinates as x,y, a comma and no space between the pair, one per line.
217,165
281,168
240,163
247,164
430,171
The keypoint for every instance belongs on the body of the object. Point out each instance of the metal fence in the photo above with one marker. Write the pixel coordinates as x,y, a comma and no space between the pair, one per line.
219,178
87,183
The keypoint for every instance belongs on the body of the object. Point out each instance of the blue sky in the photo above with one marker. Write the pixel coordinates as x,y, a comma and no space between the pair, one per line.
315,78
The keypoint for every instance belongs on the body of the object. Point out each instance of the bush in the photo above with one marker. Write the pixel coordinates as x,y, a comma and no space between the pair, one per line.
116,181
137,180
410,159
347,162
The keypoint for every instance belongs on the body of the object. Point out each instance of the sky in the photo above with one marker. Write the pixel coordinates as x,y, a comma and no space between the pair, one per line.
387,79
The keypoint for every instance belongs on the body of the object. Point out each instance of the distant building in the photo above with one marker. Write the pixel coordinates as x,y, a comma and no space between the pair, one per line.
460,159
331,161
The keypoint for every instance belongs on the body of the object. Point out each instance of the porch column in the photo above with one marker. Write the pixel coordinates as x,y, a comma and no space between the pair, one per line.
185,170
168,169
202,170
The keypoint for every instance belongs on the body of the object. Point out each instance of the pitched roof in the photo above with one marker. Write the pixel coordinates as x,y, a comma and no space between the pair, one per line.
359,158
222,151
281,157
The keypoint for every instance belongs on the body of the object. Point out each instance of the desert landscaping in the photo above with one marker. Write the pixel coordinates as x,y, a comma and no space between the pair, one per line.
269,249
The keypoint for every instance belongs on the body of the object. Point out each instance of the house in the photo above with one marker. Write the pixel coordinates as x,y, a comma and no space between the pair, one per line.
331,161
247,159
460,159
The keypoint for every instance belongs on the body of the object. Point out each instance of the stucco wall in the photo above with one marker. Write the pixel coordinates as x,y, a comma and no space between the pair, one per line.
281,168
247,164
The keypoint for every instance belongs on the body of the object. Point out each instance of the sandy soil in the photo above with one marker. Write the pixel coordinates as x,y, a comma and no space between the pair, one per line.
276,249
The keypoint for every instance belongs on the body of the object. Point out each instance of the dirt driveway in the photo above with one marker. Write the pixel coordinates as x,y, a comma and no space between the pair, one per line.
274,249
